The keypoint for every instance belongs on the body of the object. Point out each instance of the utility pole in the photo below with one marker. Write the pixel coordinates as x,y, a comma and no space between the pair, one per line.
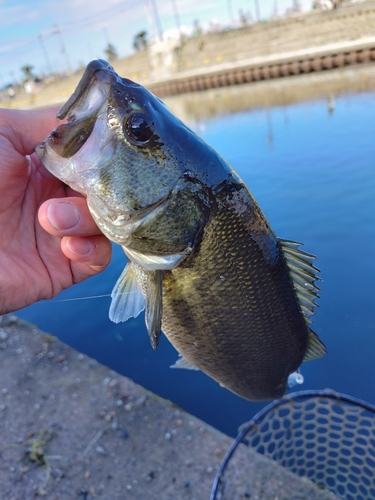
230,12
257,10
56,31
106,36
14,79
176,16
2,86
296,5
275,9
45,53
157,19
150,20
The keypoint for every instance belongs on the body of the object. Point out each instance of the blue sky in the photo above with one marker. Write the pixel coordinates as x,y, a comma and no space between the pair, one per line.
28,33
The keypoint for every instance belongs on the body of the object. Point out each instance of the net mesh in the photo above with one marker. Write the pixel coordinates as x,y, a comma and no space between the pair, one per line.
326,437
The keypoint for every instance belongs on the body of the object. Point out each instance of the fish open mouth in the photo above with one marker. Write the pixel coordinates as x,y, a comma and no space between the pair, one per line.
81,110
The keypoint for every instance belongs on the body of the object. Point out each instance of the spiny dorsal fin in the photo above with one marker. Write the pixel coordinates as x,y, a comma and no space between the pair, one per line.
127,299
303,274
154,306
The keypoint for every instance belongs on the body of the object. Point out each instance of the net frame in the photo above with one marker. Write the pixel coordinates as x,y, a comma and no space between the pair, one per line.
324,435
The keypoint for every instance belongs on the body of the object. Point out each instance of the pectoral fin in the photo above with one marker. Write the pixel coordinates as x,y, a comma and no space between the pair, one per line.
154,306
127,299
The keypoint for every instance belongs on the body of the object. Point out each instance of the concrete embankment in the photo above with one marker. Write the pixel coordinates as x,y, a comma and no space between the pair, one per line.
72,428
306,43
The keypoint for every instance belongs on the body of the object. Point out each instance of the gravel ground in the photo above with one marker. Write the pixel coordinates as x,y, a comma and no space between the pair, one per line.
250,475
73,429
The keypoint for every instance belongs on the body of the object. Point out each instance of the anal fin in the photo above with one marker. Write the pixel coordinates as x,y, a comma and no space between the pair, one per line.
127,298
184,363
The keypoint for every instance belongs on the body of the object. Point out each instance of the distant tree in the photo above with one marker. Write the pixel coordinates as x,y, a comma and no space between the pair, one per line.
111,52
27,70
140,41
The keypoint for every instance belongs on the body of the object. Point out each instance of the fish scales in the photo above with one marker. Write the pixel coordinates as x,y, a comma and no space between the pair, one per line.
229,302
203,260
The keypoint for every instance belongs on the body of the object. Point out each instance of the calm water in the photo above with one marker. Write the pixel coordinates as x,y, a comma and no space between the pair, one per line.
313,173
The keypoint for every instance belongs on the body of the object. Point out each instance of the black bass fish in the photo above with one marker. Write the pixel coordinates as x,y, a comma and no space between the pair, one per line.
203,261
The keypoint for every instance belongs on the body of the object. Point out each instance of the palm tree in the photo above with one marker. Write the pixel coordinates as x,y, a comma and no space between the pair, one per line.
140,41
28,71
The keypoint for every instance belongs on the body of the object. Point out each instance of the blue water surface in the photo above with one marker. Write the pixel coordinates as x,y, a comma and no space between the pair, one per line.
313,174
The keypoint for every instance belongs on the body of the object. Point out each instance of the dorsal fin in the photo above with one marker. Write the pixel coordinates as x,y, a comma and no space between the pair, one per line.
303,274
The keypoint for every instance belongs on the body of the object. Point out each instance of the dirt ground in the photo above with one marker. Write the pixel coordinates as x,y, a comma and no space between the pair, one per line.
73,429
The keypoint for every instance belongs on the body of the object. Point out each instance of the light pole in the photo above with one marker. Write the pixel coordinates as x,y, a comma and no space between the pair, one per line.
257,10
276,9
150,19
56,31
157,19
176,16
230,12
106,36
45,53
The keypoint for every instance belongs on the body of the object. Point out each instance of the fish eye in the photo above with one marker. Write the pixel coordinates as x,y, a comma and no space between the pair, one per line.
139,127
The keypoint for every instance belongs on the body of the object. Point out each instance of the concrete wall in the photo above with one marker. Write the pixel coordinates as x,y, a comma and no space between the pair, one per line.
262,46
313,29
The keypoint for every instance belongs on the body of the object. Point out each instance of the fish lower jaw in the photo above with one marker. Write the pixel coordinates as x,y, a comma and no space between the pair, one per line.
112,232
118,229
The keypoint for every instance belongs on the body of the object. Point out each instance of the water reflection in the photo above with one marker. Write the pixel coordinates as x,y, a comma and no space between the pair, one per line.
207,104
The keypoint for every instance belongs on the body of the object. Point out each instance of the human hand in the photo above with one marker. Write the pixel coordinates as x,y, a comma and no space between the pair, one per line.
40,255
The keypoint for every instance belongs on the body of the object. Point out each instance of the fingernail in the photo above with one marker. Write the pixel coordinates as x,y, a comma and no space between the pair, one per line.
63,215
79,246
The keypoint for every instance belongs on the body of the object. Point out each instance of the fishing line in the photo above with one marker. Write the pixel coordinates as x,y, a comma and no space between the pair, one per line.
86,298
82,298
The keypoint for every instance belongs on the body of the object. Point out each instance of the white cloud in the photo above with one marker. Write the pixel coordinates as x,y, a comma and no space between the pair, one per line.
17,14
